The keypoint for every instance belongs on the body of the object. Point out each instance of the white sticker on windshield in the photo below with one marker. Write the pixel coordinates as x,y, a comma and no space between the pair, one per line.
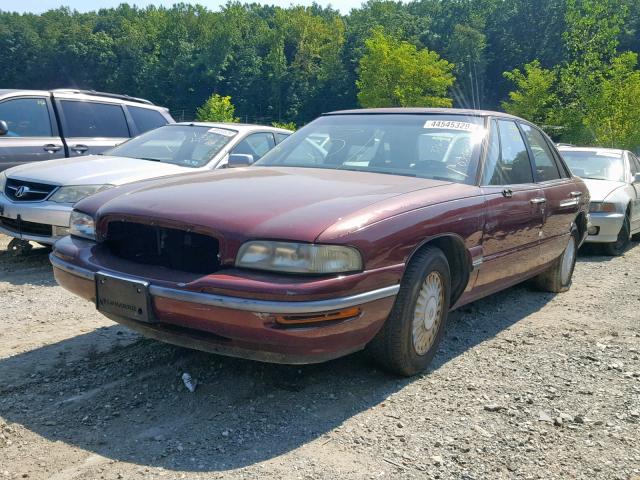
451,125
222,131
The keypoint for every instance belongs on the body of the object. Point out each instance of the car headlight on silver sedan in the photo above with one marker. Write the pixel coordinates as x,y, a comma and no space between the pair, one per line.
289,257
75,193
82,225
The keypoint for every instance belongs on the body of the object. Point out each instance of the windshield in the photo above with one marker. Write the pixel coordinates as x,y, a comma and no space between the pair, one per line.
598,165
184,145
442,147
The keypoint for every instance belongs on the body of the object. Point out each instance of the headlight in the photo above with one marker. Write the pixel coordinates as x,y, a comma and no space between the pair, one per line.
3,181
602,207
82,225
290,257
76,193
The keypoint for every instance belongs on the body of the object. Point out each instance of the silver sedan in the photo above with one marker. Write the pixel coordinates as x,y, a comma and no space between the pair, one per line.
613,179
36,199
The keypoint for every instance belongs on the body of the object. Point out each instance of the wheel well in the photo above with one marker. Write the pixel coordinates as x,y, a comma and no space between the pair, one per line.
459,262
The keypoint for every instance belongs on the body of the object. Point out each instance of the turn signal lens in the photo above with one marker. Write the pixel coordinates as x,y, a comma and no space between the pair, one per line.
325,317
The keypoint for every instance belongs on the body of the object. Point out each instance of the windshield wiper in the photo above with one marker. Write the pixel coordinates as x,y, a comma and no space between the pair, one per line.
149,159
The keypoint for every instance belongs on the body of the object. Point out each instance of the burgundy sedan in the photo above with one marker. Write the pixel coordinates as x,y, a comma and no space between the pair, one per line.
361,230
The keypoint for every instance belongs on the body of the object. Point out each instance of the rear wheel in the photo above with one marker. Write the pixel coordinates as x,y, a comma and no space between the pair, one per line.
618,247
557,278
409,339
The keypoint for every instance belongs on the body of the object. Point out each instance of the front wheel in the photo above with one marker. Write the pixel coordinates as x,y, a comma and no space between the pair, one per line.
409,339
558,277
618,247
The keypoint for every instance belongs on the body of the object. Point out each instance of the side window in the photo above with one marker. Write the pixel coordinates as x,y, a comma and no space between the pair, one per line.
26,117
280,137
545,164
146,119
493,155
256,144
633,163
512,166
89,119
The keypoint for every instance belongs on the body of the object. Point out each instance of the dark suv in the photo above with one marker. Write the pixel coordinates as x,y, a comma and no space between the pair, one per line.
43,125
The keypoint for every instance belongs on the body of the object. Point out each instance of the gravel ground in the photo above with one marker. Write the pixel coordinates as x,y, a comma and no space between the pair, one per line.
526,385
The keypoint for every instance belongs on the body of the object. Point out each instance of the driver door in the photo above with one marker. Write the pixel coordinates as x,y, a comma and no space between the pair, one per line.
634,163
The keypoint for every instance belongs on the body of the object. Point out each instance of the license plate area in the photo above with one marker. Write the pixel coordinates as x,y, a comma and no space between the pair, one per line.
123,297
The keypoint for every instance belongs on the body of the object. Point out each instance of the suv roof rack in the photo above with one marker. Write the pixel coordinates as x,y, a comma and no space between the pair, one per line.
104,94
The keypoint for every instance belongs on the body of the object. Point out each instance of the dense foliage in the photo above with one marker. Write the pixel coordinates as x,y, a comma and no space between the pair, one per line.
394,73
289,65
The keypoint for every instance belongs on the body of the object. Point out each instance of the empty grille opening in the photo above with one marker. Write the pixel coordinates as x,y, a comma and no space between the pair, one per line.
22,191
163,247
26,228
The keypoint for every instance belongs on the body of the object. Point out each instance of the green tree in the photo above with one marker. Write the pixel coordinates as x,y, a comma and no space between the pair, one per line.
535,96
286,125
217,109
395,73
613,115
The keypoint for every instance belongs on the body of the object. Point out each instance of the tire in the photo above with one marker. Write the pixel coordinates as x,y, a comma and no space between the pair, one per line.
618,247
406,344
558,277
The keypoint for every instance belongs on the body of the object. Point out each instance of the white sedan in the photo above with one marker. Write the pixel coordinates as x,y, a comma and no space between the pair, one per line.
613,179
36,199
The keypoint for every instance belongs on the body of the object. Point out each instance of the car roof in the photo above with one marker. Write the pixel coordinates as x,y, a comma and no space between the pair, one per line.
422,111
84,95
591,149
240,127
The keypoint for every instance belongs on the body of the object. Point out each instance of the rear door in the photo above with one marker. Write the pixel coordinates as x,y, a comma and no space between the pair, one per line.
91,127
33,133
562,200
514,210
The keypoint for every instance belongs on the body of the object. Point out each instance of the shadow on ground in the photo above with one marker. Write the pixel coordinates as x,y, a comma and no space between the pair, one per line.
32,268
128,403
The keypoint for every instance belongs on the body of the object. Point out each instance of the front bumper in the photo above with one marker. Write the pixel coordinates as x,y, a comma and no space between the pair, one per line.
608,227
243,326
34,214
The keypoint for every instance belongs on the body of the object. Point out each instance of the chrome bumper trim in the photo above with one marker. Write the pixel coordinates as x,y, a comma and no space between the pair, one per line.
72,269
244,304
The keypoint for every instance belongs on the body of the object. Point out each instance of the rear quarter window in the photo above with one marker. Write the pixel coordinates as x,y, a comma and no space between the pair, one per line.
91,119
146,119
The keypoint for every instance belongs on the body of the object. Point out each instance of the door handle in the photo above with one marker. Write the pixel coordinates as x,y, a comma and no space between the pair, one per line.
575,194
507,193
51,148
538,200
79,148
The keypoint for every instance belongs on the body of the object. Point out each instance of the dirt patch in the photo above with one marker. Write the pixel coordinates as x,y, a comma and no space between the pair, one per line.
526,385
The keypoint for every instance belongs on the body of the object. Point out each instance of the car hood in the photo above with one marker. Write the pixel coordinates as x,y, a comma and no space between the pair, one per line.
255,202
601,189
93,170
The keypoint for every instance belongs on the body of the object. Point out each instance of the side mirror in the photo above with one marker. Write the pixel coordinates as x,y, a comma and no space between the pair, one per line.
636,177
4,128
239,160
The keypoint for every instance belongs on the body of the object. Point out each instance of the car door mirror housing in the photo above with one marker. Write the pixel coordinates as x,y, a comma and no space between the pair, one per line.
239,160
4,128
